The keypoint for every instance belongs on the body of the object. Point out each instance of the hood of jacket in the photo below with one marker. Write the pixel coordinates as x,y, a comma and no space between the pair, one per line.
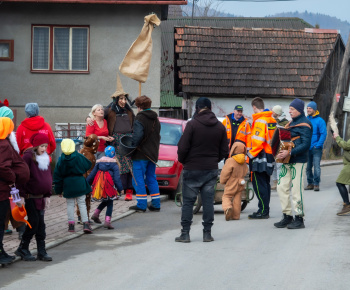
33,123
262,114
149,114
206,118
106,159
317,114
106,163
238,148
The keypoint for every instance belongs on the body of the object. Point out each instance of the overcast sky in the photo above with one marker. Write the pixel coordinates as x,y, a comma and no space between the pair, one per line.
337,8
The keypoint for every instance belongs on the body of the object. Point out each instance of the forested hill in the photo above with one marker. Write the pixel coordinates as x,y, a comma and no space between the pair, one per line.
324,21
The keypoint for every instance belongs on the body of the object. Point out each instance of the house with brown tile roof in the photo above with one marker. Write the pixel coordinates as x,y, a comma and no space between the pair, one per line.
64,54
171,105
232,66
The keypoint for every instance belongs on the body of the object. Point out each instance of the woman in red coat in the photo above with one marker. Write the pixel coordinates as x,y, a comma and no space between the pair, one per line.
31,125
99,128
12,170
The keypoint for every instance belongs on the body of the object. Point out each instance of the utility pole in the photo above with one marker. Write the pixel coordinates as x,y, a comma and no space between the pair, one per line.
338,95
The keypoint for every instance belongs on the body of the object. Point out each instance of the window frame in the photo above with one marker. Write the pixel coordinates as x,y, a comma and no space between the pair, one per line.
11,44
51,50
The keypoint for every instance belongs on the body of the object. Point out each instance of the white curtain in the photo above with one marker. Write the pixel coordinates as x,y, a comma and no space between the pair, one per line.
41,48
61,48
79,48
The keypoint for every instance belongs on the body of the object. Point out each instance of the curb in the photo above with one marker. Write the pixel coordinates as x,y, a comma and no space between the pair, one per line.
335,162
60,241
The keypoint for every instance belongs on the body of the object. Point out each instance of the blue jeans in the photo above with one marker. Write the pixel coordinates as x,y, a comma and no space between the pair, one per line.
315,155
145,172
194,182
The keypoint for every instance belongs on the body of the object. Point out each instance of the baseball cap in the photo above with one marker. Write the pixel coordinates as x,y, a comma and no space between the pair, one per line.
239,108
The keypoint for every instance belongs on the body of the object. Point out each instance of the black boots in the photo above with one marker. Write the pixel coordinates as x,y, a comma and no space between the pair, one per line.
287,219
4,257
207,236
42,255
298,223
24,253
184,237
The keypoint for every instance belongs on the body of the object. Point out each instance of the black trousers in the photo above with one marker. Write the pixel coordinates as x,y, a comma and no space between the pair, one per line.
198,182
262,188
36,220
4,207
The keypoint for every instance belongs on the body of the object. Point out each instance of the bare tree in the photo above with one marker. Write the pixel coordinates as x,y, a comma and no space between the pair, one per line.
203,8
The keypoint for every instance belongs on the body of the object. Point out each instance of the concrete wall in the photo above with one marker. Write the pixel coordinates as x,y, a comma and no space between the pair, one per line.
69,97
223,106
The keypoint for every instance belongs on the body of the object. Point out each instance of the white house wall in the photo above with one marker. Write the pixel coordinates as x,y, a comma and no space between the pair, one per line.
69,97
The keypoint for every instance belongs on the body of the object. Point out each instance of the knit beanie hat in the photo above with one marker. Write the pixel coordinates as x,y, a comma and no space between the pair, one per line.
67,146
312,105
38,139
31,110
6,127
298,105
110,151
277,110
203,102
6,112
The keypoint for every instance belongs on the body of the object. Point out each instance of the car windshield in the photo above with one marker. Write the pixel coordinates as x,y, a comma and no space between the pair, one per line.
170,134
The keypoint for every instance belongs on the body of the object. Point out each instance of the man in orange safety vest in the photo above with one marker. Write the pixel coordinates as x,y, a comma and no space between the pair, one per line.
237,127
261,162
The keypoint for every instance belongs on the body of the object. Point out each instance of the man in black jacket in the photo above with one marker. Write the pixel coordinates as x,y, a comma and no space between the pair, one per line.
201,147
291,176
146,138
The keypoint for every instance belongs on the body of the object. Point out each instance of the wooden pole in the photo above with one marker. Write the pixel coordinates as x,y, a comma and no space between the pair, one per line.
340,90
139,88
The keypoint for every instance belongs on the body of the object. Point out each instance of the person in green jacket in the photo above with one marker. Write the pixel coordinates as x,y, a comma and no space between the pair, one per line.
68,179
344,176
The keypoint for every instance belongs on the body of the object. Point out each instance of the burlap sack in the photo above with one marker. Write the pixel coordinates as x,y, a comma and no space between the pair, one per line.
135,64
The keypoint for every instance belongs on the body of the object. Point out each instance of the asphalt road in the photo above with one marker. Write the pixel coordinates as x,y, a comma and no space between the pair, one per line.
246,254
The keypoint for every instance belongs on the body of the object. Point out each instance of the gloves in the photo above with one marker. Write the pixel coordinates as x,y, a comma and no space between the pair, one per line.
47,202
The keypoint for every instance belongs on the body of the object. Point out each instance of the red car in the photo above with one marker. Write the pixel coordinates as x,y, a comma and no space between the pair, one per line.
169,168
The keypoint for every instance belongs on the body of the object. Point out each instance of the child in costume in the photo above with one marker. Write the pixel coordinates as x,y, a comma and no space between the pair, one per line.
104,178
37,192
232,175
69,179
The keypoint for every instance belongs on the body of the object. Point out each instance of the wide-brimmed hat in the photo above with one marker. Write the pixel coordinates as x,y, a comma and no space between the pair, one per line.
120,91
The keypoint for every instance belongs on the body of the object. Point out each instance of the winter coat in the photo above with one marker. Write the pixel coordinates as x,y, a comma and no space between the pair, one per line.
30,126
110,165
235,169
299,153
260,156
203,143
146,136
111,117
319,131
68,175
344,176
12,168
40,182
282,122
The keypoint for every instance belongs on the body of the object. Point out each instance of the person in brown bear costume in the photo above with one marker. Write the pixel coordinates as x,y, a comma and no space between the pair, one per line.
89,150
232,175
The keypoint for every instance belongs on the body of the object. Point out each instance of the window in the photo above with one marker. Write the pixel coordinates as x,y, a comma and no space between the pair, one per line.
60,48
6,50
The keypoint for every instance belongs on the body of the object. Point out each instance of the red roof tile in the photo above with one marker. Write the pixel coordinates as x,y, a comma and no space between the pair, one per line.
272,62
